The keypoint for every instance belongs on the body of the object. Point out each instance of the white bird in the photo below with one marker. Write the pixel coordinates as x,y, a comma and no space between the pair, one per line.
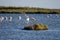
27,19
6,18
33,18
10,19
19,18
1,19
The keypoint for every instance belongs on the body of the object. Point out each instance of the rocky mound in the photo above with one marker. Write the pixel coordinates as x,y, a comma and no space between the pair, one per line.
36,27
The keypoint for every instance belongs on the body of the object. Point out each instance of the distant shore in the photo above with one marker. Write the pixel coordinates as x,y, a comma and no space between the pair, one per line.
27,10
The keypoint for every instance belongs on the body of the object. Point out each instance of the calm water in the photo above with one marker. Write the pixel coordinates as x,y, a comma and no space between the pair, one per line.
13,30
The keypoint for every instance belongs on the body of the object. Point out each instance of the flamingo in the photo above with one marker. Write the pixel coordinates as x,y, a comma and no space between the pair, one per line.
50,15
1,19
27,19
10,19
6,18
19,18
33,18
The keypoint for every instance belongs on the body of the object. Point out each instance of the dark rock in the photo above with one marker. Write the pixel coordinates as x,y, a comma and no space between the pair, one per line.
36,27
28,28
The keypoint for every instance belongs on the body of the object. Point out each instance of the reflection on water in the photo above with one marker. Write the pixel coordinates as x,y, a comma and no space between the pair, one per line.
11,25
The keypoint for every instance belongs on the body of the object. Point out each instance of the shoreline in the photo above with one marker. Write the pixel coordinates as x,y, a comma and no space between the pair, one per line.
4,12
27,10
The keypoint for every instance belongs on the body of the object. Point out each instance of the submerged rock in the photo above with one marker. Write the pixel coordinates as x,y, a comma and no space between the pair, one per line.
36,27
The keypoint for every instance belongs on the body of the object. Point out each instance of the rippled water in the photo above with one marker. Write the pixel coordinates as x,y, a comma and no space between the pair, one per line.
13,30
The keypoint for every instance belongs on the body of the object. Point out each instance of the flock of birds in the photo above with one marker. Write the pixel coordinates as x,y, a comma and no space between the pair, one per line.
10,19
19,18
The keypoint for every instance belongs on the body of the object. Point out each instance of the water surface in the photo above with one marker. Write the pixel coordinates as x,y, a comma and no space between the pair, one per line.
13,30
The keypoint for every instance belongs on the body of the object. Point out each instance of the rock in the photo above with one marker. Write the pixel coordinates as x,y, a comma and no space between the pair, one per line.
37,27
28,28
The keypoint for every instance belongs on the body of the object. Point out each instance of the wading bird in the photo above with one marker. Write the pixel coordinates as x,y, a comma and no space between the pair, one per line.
10,19
1,19
19,18
6,18
33,18
27,19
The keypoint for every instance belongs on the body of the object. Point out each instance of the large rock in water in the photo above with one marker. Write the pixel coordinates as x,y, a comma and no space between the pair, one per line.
37,27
